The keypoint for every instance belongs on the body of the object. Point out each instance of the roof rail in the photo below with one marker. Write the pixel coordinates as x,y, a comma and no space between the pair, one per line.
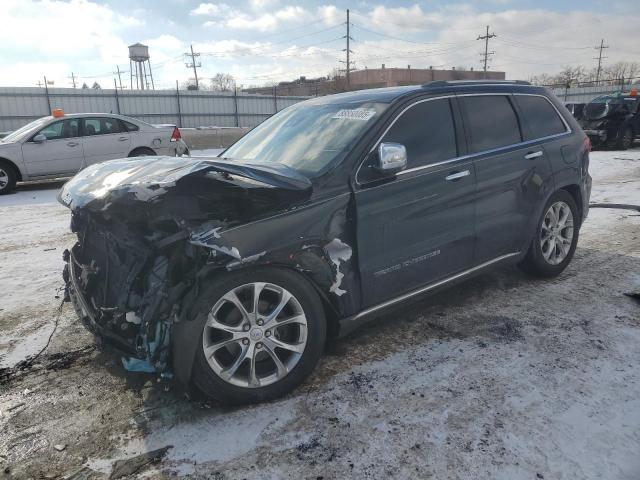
446,83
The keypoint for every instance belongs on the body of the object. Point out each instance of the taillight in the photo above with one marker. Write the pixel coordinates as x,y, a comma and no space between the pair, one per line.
587,144
175,136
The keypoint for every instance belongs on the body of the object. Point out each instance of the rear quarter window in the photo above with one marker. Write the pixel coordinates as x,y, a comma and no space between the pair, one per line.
492,122
540,116
129,127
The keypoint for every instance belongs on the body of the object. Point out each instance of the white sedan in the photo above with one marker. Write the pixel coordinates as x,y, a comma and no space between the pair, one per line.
61,145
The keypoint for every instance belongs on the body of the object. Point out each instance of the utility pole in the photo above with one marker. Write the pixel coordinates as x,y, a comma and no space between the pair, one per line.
600,58
348,50
486,38
119,77
73,79
194,65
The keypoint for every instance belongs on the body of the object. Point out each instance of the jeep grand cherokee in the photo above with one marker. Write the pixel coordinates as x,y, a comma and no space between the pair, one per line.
232,272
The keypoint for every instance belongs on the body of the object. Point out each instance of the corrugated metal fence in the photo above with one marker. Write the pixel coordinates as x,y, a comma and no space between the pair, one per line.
185,108
586,94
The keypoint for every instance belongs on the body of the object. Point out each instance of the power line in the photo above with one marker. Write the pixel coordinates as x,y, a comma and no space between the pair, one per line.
400,39
486,38
600,57
194,65
505,39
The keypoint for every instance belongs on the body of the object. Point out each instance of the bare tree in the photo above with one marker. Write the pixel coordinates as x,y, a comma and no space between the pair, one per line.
223,82
621,70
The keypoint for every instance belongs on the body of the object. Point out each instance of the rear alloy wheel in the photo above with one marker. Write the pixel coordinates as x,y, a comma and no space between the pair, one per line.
7,179
260,338
556,233
556,237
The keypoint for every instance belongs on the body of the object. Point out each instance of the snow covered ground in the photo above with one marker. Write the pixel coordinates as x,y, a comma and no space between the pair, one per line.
502,377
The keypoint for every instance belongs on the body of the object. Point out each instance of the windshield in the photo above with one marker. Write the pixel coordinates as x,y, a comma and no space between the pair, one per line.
604,99
13,136
308,137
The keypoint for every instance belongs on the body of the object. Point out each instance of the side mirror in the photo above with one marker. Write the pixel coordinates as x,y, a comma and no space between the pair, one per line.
392,158
39,138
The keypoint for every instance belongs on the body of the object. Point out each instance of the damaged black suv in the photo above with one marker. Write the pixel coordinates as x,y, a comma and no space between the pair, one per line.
612,121
230,273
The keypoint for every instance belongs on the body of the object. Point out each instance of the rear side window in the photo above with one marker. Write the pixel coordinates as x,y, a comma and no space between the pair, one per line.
101,126
543,120
427,131
492,122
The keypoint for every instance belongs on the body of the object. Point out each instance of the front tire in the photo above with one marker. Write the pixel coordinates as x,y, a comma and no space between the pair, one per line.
8,178
556,237
625,139
262,334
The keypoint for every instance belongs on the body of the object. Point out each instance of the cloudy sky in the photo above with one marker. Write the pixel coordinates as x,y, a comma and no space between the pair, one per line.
265,41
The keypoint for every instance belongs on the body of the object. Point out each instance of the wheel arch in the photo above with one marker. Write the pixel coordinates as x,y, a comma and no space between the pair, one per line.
186,333
576,193
15,167
140,149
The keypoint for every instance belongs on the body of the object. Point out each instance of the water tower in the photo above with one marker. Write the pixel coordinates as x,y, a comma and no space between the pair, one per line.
140,67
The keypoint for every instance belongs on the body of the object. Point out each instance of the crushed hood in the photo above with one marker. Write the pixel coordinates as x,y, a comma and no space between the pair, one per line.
184,189
145,179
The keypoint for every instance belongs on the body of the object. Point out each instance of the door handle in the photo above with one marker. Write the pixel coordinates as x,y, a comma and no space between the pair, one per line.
122,139
457,175
532,155
72,144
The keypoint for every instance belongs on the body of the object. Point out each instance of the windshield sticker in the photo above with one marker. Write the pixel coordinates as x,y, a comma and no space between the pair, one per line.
356,114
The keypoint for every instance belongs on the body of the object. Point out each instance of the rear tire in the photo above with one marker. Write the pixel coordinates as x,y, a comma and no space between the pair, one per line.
243,370
8,178
556,237
142,152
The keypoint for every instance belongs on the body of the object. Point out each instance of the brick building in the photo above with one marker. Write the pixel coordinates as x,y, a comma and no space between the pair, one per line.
372,78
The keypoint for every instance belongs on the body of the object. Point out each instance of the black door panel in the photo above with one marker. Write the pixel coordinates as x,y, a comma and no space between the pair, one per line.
510,187
415,230
418,227
511,175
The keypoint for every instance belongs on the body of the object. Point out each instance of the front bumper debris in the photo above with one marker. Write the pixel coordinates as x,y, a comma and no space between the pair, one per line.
145,354
597,136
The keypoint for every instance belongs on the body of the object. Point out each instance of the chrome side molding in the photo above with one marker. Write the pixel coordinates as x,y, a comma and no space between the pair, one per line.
439,283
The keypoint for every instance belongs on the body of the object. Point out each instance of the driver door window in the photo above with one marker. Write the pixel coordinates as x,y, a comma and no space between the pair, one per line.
61,129
427,131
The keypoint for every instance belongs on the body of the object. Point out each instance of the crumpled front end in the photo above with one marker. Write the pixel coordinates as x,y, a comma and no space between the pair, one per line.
143,232
126,287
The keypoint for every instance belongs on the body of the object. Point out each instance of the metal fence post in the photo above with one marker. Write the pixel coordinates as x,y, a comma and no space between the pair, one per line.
117,98
235,105
179,111
46,91
275,100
